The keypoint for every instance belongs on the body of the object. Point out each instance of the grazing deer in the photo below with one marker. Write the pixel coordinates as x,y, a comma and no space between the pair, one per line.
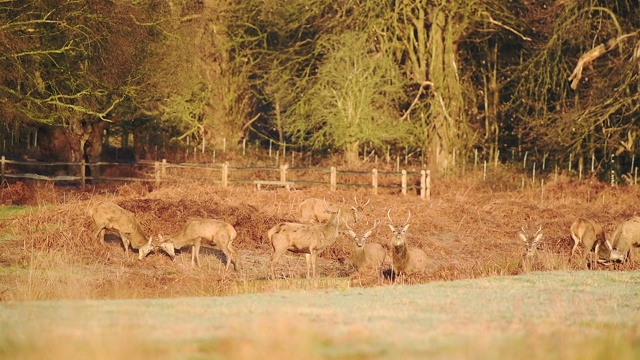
625,237
406,260
213,232
319,210
531,247
109,216
366,255
308,239
590,234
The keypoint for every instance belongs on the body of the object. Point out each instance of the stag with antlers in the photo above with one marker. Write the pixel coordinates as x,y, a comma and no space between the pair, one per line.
531,247
406,260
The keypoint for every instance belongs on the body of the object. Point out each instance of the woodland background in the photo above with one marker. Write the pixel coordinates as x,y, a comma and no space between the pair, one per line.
439,77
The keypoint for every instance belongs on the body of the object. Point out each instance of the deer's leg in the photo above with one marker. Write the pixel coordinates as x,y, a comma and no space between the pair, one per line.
576,242
308,259
195,253
100,235
314,255
125,242
277,253
575,248
236,258
228,250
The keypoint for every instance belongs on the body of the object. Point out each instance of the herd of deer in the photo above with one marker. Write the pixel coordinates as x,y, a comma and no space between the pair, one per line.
589,238
319,228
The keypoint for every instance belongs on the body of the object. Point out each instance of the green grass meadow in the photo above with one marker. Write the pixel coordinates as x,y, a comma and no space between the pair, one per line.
539,315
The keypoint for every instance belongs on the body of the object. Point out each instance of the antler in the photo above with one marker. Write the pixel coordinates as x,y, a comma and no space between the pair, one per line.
346,223
538,231
375,223
389,216
326,205
355,198
538,235
409,217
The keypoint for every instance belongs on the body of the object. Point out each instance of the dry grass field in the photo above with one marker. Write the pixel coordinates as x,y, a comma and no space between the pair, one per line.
468,229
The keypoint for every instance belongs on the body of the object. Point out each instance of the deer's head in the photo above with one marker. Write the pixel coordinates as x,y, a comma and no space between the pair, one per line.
398,231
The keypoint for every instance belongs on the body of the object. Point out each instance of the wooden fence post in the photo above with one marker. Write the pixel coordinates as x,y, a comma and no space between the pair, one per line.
225,174
404,182
162,168
283,172
2,170
374,181
83,173
156,167
425,185
333,178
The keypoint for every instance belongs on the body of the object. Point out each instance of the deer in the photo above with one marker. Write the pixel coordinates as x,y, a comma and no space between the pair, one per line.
315,210
406,260
308,239
365,255
109,216
625,237
590,234
531,247
194,232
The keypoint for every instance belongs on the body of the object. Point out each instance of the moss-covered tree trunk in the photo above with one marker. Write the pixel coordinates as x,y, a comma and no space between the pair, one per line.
448,123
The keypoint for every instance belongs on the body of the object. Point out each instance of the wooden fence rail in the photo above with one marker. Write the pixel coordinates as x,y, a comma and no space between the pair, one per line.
159,172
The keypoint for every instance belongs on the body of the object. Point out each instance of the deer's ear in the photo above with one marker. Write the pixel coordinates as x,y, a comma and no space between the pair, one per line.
538,238
392,228
522,236
350,233
367,234
405,228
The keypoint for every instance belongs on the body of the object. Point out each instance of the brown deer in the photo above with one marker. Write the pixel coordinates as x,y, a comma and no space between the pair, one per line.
406,260
109,216
308,239
366,255
625,237
319,210
531,247
590,234
195,231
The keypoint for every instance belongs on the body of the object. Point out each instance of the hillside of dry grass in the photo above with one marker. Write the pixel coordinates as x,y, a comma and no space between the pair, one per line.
468,229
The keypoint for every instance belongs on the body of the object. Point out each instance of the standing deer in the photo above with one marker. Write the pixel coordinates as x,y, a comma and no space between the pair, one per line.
624,239
406,260
531,247
319,210
308,239
590,234
213,232
366,255
109,216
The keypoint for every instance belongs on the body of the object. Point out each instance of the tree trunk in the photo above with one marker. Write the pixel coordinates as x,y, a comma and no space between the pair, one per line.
448,126
351,153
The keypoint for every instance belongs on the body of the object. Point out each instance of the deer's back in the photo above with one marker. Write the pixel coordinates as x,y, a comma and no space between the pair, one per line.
417,261
208,229
112,216
626,234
